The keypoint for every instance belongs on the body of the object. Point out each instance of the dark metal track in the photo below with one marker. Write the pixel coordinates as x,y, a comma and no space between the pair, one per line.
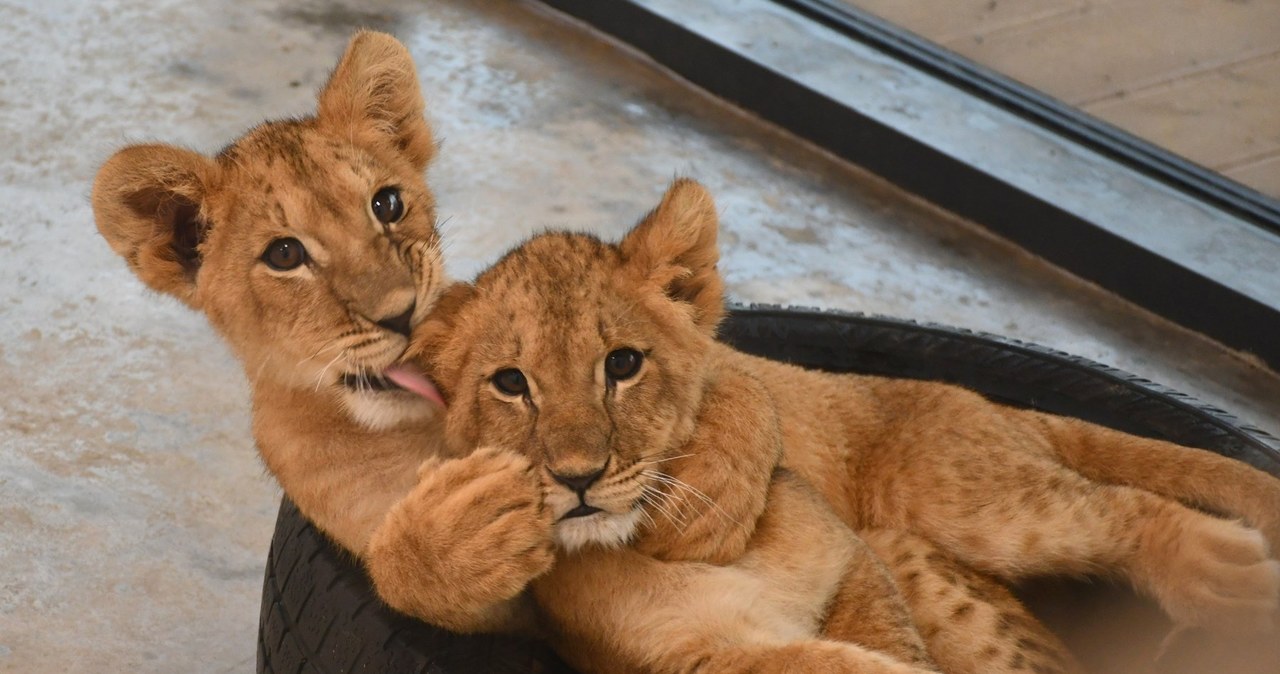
1033,105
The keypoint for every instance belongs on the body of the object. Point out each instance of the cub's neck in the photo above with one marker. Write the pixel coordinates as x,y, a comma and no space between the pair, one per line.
341,474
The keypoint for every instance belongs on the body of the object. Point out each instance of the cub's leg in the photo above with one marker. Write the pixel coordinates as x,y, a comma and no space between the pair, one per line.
970,622
869,610
1017,515
1192,476
837,586
618,612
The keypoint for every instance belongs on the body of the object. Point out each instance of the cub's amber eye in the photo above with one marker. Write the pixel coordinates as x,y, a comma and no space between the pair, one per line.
511,382
284,254
623,364
387,206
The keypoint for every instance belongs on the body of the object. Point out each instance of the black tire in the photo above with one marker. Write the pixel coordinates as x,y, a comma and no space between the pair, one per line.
320,616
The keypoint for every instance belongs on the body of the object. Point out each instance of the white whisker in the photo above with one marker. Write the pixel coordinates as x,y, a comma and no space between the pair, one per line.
331,344
643,462
679,503
323,370
650,497
690,489
648,518
261,366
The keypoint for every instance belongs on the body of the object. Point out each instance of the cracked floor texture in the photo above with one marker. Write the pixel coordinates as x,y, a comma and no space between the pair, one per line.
134,514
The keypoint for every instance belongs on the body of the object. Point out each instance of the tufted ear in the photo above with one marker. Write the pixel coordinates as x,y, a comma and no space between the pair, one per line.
147,201
374,93
674,246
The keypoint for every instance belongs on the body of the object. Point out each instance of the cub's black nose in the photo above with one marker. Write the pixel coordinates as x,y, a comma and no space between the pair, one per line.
399,324
578,483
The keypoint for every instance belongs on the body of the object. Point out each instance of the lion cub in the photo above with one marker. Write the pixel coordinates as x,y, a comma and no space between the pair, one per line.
683,546
310,245
655,443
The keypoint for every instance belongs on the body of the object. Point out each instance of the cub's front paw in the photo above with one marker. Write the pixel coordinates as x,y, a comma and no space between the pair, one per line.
472,534
1215,574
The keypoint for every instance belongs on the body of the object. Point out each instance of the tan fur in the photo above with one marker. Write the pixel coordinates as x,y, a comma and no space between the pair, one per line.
454,540
954,489
363,465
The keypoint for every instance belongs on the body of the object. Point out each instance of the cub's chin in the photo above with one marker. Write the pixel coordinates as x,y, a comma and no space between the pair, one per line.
605,529
382,409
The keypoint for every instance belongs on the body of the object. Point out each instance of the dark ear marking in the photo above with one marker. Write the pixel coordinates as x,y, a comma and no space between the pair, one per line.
148,205
177,219
188,234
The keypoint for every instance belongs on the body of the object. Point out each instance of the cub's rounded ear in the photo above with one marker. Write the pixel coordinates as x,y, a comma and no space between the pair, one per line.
374,93
674,247
438,344
147,202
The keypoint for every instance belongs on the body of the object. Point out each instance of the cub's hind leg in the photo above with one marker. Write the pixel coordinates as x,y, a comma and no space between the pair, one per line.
868,609
1192,476
1017,515
839,588
969,621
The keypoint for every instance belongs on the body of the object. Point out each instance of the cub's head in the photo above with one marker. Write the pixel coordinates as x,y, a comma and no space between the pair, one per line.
310,243
589,358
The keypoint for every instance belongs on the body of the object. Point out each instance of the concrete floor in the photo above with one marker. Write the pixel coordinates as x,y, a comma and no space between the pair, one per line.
134,514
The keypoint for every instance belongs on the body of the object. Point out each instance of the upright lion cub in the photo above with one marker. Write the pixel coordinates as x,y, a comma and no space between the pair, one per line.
310,245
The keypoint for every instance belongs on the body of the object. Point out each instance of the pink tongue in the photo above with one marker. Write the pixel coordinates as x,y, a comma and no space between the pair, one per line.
411,379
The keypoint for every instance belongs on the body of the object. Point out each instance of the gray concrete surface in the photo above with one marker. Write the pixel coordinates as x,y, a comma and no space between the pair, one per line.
134,515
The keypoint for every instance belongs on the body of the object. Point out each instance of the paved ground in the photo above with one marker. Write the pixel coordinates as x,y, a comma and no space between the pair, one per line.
134,515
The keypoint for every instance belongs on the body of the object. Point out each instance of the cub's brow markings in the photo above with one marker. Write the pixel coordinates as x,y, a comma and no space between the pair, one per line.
602,330
305,167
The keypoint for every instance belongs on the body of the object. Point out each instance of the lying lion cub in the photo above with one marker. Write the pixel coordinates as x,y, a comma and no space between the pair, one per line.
311,246
681,549
766,578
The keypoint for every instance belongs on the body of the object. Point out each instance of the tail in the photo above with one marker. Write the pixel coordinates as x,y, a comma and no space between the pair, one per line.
1195,477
